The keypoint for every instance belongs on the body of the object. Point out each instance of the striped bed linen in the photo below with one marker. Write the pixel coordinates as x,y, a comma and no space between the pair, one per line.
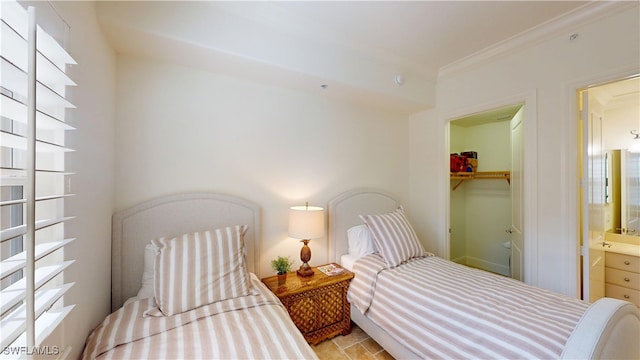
442,310
248,327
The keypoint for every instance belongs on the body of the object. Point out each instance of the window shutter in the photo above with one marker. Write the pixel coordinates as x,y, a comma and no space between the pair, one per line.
33,178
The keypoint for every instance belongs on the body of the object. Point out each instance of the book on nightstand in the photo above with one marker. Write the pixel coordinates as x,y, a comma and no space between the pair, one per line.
331,270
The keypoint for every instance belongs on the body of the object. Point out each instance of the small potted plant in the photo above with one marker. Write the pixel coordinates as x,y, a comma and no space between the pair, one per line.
282,265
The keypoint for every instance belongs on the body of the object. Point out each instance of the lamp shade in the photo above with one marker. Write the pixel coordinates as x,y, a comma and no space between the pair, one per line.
306,222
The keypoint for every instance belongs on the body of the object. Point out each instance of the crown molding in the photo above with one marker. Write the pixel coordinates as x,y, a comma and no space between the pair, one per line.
586,14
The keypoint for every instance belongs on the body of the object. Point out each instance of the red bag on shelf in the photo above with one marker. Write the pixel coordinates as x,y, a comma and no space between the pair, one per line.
457,163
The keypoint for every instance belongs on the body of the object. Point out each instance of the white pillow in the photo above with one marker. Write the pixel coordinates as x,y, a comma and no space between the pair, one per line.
360,241
146,290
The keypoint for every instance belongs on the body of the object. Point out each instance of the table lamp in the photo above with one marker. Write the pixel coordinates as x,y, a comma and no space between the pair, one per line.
306,223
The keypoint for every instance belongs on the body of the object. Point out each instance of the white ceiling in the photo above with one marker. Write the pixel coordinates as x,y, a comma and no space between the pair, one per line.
618,93
356,48
500,114
424,34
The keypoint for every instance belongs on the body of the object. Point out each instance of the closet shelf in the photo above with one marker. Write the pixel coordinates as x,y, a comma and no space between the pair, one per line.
462,176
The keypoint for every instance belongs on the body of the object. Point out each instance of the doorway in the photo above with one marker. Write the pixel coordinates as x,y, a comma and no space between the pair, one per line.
610,162
486,199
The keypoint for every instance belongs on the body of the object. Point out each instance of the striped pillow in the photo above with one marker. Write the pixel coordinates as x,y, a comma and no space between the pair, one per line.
394,237
197,269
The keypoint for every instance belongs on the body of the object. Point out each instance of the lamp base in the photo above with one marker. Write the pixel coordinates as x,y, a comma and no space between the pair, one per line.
305,255
305,270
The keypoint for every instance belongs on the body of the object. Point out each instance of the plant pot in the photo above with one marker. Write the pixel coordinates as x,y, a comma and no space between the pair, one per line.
282,279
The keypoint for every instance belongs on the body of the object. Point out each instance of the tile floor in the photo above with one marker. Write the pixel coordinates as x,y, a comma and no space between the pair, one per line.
357,345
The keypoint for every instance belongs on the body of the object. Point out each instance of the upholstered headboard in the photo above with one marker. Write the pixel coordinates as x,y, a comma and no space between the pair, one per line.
344,212
134,228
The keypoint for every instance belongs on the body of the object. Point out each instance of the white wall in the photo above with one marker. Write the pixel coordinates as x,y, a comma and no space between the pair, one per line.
181,129
552,70
492,142
428,175
93,182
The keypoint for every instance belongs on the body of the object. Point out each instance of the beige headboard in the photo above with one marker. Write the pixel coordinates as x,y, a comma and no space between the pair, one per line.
173,215
345,210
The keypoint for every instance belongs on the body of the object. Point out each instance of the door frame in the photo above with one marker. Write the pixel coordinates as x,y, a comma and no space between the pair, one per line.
579,215
530,182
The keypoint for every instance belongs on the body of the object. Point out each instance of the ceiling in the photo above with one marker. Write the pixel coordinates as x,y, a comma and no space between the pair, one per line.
500,114
355,48
618,93
424,34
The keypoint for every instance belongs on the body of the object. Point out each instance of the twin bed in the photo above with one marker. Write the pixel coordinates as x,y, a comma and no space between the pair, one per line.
428,307
251,324
412,303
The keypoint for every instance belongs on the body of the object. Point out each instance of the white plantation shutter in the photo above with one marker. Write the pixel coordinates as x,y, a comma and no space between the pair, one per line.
33,106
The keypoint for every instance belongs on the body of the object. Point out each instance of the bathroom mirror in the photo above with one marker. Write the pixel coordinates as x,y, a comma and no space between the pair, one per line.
617,105
623,189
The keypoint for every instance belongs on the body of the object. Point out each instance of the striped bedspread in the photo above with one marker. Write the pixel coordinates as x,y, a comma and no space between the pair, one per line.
249,327
442,310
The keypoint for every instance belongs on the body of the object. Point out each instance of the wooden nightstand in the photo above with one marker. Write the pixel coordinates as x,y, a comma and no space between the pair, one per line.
317,305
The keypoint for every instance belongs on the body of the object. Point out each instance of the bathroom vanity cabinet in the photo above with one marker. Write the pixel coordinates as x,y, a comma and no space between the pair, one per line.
622,277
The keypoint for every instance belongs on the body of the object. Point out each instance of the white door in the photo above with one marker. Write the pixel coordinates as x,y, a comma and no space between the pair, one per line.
517,196
593,199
